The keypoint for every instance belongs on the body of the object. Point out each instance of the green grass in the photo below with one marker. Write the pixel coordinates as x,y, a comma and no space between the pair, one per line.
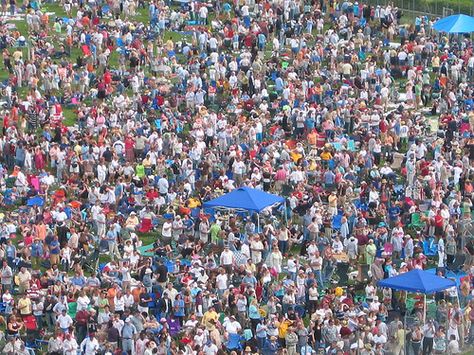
148,238
69,117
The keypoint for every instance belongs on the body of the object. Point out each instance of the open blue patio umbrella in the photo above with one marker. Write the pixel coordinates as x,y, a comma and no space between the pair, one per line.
35,201
455,24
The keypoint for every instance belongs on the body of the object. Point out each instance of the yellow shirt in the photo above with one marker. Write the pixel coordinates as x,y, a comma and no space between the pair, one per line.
24,278
208,316
24,305
283,328
332,200
325,156
401,337
17,55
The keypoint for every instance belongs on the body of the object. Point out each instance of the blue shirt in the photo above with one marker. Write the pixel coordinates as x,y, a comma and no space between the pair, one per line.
55,247
261,331
250,280
36,249
11,250
179,305
128,331
329,177
253,312
111,236
78,281
279,84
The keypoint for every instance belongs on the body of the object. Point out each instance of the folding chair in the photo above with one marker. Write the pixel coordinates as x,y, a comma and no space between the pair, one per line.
145,226
416,222
234,342
336,222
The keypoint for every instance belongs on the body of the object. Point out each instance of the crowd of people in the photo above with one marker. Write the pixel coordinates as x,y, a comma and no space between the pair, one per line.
122,118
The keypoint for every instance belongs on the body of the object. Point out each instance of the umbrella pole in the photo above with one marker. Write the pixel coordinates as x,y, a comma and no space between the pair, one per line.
461,325
424,308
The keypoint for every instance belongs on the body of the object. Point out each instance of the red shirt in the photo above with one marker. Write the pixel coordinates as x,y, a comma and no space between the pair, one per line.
152,195
129,143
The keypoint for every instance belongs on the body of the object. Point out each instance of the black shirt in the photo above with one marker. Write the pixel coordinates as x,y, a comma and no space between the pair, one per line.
162,272
113,335
144,297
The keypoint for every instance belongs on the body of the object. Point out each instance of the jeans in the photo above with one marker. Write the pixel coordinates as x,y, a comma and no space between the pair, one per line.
283,246
127,345
471,333
50,320
328,271
6,287
319,278
416,347
39,321
427,346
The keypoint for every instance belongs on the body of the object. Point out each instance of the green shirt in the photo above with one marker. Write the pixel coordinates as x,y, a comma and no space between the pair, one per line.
140,170
215,230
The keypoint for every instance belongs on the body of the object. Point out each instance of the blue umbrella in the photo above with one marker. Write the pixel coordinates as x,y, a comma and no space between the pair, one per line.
455,24
35,201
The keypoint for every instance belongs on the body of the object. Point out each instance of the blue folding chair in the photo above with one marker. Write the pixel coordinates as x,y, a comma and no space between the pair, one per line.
300,310
430,248
3,307
336,222
234,342
170,265
360,206
152,303
195,212
120,42
185,262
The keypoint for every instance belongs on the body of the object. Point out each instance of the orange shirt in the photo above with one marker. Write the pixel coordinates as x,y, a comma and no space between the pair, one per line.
312,138
111,292
136,294
443,81
41,231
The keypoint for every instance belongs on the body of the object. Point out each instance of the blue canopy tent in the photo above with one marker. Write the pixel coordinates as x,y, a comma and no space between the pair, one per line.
245,199
455,24
418,281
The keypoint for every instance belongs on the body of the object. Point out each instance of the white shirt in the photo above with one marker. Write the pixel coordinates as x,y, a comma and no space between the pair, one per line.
167,229
119,304
64,321
163,185
210,349
82,303
128,300
379,339
291,265
232,327
221,281
70,346
90,346
227,257
203,12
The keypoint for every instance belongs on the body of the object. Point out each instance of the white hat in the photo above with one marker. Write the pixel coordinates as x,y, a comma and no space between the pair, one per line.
148,271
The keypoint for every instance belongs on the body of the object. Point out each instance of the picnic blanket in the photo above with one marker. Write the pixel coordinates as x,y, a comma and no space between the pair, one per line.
143,250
